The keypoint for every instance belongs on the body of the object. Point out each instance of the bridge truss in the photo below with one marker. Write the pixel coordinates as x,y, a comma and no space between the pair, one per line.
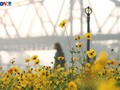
33,24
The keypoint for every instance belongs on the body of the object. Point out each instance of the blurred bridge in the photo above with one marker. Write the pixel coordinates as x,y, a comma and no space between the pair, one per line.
33,24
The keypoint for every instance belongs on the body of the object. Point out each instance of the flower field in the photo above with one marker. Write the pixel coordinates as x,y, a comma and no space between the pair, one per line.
101,72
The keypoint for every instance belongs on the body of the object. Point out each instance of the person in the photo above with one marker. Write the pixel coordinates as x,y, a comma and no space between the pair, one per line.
59,56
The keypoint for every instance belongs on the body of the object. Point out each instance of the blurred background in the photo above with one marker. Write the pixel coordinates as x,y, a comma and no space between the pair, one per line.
30,27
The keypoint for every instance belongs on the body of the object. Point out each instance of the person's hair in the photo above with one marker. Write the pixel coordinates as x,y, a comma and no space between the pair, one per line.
58,47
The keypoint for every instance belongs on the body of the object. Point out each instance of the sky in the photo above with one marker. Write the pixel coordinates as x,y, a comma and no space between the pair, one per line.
24,15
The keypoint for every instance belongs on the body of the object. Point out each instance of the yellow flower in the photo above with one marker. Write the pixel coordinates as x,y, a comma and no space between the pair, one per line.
87,65
57,82
23,84
103,57
118,63
91,53
88,36
42,73
16,69
108,62
87,70
58,66
63,23
99,64
112,62
39,69
36,62
27,60
60,58
6,81
108,85
96,67
118,78
76,59
79,45
72,85
34,57
78,37
7,75
112,71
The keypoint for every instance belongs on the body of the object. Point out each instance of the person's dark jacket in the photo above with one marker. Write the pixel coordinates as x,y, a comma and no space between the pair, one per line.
61,62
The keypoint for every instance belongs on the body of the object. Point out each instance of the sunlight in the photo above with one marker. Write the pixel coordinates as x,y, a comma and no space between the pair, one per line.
45,56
